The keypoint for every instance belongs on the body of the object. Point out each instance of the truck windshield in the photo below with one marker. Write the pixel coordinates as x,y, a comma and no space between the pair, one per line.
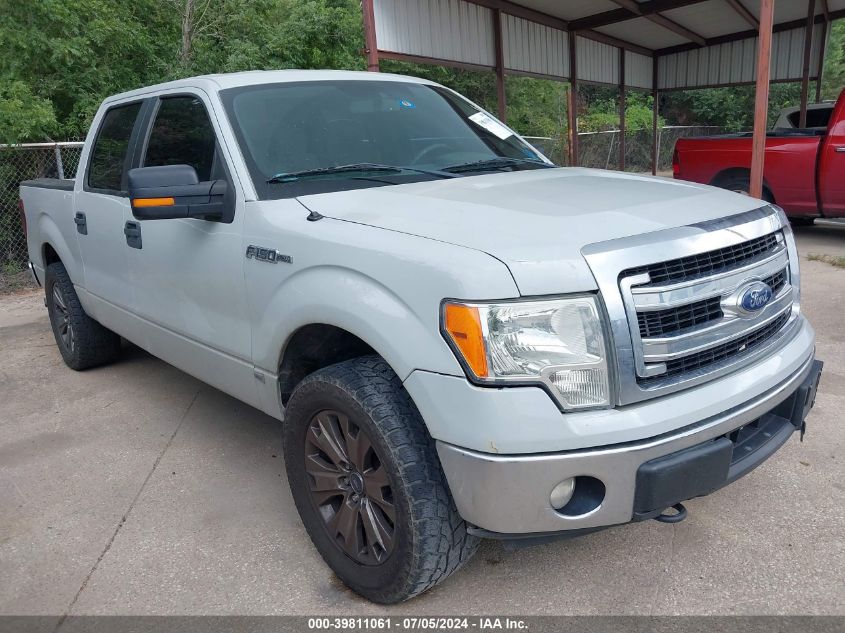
418,129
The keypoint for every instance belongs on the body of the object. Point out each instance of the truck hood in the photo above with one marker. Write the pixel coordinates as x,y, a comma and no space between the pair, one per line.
536,221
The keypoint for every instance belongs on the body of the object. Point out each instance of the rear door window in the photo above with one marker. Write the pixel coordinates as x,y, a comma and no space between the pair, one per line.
182,135
816,117
108,156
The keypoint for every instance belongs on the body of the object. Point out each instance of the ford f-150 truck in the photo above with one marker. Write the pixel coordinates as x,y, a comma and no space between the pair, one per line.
804,169
460,339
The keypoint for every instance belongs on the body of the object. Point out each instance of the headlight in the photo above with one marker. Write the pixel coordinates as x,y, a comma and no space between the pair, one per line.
558,342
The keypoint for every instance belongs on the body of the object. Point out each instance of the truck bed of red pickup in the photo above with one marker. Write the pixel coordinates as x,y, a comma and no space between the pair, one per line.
804,171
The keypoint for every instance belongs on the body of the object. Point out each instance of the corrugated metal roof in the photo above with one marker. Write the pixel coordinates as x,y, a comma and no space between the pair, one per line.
461,31
736,62
597,62
638,70
710,19
643,33
453,30
534,48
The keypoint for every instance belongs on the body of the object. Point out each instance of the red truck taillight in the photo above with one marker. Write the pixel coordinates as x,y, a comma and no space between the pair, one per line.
23,215
676,164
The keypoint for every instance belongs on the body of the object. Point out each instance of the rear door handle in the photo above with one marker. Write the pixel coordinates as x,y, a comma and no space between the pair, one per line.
81,223
132,231
840,149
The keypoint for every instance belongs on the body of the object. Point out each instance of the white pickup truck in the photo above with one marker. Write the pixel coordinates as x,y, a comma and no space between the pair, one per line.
461,340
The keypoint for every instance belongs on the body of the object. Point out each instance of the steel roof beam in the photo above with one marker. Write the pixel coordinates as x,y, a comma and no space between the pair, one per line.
615,16
744,13
745,35
634,7
519,11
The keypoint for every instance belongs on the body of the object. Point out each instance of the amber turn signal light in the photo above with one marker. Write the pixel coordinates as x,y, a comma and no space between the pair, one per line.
153,202
463,325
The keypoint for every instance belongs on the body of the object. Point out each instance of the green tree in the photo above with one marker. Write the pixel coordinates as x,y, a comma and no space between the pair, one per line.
23,114
834,68
73,53
66,56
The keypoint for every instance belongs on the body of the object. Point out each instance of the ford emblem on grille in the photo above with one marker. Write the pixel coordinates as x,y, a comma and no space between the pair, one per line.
755,297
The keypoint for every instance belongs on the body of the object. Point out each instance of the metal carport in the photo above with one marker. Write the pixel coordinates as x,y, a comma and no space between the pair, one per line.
656,45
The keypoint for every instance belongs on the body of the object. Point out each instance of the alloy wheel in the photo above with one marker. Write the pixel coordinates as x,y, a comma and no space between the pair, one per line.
350,488
62,316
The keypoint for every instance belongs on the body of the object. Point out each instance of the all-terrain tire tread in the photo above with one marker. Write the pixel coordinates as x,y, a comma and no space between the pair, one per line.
95,344
442,543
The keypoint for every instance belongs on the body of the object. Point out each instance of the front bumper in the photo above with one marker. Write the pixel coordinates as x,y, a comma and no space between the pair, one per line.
508,495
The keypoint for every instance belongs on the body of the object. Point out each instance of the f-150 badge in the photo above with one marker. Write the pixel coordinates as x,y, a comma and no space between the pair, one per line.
269,255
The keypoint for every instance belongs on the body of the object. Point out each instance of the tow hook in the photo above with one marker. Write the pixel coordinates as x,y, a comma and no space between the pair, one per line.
680,515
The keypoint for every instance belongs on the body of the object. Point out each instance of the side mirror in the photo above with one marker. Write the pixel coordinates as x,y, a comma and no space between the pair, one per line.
174,191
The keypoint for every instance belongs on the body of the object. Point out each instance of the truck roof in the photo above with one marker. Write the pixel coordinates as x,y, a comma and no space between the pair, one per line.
222,81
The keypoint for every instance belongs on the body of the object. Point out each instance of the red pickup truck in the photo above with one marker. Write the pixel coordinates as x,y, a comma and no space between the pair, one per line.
804,172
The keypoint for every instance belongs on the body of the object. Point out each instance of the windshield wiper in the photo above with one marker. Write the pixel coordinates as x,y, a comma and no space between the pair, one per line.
364,168
494,163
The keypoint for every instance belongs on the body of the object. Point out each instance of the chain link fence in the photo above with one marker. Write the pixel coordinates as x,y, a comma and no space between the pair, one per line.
24,162
600,150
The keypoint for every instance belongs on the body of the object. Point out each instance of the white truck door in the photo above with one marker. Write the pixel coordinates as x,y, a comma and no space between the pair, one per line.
100,202
187,274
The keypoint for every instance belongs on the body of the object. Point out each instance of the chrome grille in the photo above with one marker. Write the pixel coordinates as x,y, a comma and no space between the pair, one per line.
721,352
684,321
678,320
711,262
681,319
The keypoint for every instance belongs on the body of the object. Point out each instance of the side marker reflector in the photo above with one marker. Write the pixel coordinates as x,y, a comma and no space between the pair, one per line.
463,324
153,202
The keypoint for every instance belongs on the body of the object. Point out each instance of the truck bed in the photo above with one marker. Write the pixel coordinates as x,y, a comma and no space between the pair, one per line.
776,133
49,211
790,171
63,184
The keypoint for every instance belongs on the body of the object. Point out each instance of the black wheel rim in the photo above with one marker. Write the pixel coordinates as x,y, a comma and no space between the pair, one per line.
64,327
350,488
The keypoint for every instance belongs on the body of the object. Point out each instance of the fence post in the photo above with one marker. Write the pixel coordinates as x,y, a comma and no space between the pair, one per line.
60,168
657,149
610,149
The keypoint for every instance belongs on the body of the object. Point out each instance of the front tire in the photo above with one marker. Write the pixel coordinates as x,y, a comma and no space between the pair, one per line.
368,485
82,341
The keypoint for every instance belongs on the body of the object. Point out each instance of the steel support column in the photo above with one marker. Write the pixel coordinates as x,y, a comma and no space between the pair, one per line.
501,97
370,43
655,146
623,99
805,71
822,47
761,97
572,105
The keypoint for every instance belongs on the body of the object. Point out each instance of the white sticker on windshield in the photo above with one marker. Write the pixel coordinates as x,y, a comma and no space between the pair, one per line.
491,125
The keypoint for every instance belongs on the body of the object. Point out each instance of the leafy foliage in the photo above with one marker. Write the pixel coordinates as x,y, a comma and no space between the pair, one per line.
23,114
834,66
62,57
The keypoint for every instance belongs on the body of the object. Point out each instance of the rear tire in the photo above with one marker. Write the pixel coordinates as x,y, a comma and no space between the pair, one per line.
82,341
742,184
368,485
802,221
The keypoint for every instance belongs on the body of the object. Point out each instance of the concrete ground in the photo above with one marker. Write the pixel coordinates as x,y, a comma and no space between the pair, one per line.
136,489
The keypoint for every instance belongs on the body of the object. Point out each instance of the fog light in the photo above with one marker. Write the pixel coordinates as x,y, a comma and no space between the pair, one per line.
562,493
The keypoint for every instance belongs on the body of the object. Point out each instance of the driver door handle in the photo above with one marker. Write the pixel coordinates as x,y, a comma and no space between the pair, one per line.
132,231
81,223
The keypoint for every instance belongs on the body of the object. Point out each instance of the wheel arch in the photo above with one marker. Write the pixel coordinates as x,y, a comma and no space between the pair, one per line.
329,314
54,248
725,176
313,347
